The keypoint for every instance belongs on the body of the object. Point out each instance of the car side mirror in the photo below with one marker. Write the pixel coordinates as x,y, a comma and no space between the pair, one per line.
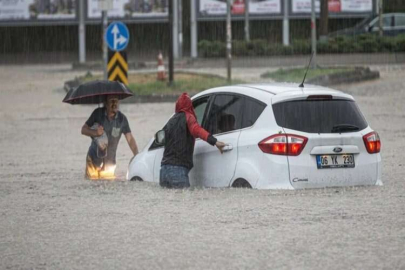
160,137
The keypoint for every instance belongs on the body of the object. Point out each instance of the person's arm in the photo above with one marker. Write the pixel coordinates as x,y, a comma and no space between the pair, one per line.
87,131
198,132
132,143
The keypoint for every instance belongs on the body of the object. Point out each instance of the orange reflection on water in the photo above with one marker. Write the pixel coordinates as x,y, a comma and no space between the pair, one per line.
108,173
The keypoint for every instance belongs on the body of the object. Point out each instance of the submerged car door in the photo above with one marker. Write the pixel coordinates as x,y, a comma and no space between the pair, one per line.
158,151
200,106
223,120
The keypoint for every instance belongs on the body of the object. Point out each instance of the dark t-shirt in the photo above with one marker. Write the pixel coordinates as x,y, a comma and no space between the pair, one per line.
113,129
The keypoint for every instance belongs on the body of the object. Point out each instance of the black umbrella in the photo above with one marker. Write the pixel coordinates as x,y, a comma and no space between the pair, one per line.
95,92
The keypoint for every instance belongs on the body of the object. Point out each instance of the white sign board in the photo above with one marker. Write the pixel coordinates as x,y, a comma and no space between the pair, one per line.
357,5
105,4
37,9
129,9
218,7
264,7
335,6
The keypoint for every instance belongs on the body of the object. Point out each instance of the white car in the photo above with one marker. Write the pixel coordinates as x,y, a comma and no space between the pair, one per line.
279,136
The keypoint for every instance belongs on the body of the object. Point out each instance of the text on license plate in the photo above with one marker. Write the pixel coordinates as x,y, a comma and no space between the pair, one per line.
335,161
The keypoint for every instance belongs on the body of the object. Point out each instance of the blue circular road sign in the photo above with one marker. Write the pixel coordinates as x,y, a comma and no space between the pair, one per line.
117,36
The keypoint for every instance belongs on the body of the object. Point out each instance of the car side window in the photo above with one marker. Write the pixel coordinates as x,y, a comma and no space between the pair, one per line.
199,108
400,21
225,114
387,22
252,110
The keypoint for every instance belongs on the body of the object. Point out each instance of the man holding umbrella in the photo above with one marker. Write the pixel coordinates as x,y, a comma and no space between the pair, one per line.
105,125
113,123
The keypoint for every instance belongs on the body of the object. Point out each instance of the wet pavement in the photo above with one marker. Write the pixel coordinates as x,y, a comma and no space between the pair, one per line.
51,218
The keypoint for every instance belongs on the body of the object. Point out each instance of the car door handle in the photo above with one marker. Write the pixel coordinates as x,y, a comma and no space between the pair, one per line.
227,148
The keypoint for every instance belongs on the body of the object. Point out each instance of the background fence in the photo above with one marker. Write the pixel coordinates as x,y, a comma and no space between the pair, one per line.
44,37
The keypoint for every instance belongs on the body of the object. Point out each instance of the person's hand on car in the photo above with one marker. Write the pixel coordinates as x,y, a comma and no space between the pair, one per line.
220,146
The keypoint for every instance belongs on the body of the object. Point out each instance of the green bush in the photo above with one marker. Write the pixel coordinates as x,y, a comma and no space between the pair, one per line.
258,47
341,44
240,48
301,47
368,43
212,48
400,43
389,45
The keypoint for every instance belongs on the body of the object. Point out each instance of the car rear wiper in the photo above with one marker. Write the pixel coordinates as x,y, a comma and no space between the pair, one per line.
344,127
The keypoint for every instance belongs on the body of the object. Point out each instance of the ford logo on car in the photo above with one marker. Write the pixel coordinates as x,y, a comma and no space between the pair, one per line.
337,149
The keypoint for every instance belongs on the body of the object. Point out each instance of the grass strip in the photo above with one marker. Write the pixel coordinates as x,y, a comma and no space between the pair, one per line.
296,75
192,83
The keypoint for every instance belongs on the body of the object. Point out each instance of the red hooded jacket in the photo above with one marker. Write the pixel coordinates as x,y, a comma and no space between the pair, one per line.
185,105
180,134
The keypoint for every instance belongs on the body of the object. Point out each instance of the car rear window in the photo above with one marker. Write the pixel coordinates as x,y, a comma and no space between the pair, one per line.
318,116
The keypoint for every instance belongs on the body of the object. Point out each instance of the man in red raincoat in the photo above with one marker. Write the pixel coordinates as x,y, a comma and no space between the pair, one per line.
180,134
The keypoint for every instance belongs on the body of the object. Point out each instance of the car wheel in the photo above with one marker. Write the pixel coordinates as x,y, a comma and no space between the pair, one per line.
241,183
136,178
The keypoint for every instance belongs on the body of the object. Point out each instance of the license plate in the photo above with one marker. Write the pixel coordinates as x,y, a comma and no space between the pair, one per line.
335,161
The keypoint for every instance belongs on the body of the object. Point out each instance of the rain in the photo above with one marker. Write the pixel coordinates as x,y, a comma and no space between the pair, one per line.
51,217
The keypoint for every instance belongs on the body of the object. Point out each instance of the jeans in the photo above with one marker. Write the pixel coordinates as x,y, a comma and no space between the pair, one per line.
174,176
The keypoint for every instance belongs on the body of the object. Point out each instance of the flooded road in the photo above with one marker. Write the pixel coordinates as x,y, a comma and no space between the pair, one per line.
51,218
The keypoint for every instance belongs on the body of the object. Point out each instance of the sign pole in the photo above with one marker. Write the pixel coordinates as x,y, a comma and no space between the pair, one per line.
105,50
171,66
82,34
286,25
229,40
175,29
247,28
313,33
180,20
193,28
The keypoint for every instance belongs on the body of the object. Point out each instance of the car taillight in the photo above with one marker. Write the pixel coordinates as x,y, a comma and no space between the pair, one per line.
372,142
283,144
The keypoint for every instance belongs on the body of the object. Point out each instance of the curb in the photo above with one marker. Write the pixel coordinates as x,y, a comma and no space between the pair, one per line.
100,66
276,61
150,99
154,98
134,99
71,84
358,75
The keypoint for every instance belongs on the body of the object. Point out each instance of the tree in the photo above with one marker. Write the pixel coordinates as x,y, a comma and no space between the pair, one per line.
394,6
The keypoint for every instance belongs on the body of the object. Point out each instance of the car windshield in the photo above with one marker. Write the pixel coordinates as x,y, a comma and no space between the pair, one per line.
320,116
364,22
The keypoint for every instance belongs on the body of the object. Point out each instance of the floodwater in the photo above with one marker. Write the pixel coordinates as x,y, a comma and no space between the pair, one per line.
51,218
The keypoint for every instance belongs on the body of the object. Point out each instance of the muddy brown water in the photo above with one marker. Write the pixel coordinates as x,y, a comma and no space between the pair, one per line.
51,218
